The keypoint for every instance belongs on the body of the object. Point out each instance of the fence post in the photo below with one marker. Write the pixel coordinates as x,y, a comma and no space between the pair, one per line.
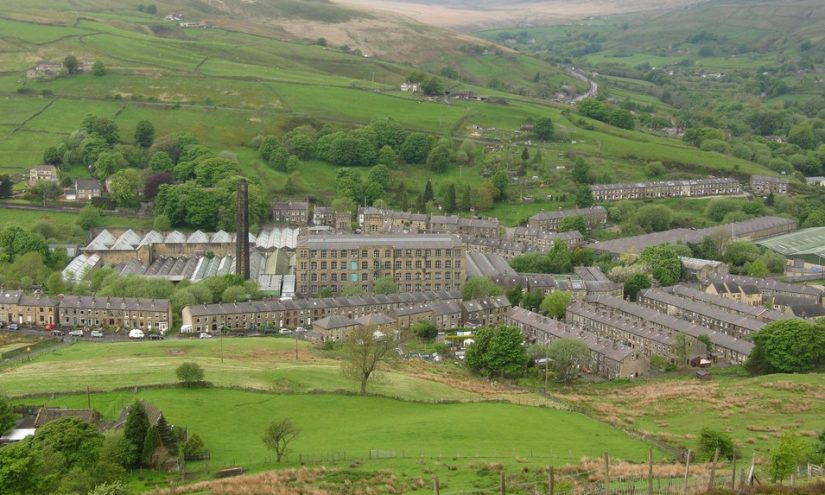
436,486
606,473
733,474
650,471
502,483
551,481
713,469
687,471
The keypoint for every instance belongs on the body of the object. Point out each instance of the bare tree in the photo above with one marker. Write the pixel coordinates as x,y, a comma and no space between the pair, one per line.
364,350
278,435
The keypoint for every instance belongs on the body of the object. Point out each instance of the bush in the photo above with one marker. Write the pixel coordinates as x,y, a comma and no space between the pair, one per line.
710,440
189,374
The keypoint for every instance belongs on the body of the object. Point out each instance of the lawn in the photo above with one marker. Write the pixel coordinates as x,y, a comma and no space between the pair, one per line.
755,411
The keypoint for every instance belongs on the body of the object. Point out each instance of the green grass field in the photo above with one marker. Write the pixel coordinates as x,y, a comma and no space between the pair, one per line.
258,363
338,430
755,411
231,423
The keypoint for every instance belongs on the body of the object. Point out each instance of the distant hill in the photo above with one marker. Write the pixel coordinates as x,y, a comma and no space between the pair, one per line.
468,15
763,24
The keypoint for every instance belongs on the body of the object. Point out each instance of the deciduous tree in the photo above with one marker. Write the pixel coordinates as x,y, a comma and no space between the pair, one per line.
566,357
278,435
555,304
145,134
498,351
385,285
365,350
71,64
787,346
479,287
425,330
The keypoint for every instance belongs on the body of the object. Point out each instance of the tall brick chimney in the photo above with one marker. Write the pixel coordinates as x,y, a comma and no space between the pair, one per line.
242,241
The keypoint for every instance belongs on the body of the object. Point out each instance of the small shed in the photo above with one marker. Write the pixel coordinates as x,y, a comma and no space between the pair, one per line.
703,375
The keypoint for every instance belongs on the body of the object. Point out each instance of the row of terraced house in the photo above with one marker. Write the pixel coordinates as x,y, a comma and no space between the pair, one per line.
85,311
332,317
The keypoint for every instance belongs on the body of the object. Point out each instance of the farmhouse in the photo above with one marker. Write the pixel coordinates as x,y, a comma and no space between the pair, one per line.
42,173
45,70
84,190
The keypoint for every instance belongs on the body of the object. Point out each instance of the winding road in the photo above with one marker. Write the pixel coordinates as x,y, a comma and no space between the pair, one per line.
594,86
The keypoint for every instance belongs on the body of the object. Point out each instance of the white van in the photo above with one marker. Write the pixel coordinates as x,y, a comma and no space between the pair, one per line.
136,334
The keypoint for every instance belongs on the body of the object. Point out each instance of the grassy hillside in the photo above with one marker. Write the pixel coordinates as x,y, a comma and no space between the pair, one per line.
755,411
357,437
409,438
258,363
246,77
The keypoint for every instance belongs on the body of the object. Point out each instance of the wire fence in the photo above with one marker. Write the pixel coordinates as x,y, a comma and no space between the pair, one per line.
553,474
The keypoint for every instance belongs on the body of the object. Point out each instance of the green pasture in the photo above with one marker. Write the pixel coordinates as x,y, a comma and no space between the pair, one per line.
257,363
231,423
31,32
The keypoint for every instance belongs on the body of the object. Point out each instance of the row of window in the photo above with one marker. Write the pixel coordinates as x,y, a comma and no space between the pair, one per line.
407,287
398,253
377,265
365,277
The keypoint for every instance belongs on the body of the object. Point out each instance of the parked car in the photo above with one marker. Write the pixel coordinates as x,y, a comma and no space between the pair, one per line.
76,333
204,335
301,330
51,326
58,333
285,331
155,336
136,334
13,326
97,334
